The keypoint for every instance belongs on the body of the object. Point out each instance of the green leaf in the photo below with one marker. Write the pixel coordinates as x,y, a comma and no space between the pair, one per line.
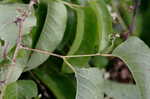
61,85
99,61
52,33
85,38
41,13
23,55
10,73
22,89
89,39
104,24
92,85
123,8
8,28
136,54
89,84
69,33
121,91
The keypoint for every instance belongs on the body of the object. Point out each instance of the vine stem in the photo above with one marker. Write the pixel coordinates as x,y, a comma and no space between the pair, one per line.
69,64
88,55
42,51
61,56
18,41
20,21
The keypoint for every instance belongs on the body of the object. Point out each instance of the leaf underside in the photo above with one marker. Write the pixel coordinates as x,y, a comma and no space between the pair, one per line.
136,54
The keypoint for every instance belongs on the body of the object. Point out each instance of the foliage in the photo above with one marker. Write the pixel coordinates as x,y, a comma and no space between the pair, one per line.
22,89
62,48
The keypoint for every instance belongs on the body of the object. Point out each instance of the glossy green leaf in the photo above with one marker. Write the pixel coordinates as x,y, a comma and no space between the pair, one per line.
8,28
92,85
70,32
79,32
52,33
22,89
61,85
90,39
104,24
85,38
136,55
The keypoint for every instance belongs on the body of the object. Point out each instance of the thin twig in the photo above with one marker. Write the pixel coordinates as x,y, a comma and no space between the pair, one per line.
18,41
88,55
42,51
64,57
68,64
5,50
20,21
61,56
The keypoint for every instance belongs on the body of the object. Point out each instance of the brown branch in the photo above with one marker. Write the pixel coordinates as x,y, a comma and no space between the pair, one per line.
20,21
41,51
64,57
61,56
5,50
19,40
